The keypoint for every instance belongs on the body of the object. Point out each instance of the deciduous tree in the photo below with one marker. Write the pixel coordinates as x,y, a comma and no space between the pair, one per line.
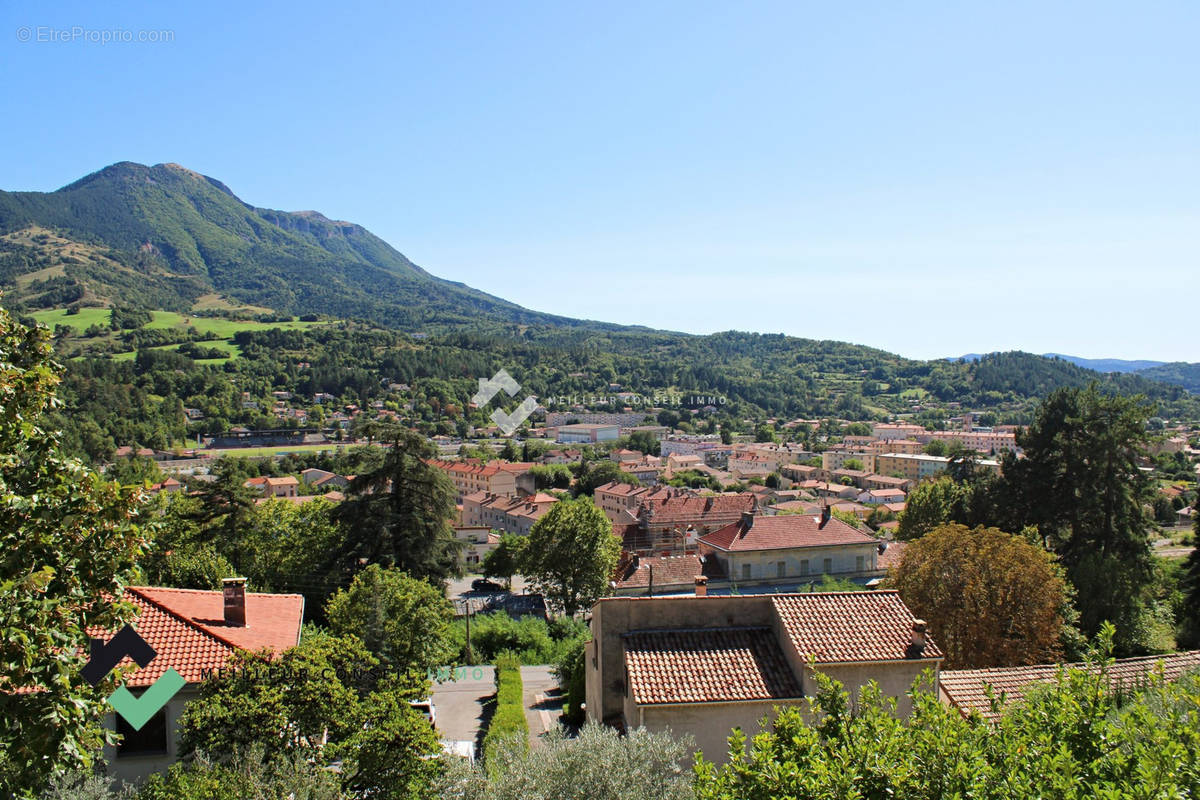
571,554
504,560
991,598
68,543
406,623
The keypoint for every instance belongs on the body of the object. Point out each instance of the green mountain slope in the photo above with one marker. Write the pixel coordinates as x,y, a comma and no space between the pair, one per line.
178,228
1180,373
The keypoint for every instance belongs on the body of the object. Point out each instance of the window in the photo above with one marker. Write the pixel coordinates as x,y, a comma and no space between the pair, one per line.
828,565
859,563
780,569
150,740
804,566
745,572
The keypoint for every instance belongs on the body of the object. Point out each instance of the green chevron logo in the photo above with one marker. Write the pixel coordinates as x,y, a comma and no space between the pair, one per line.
104,658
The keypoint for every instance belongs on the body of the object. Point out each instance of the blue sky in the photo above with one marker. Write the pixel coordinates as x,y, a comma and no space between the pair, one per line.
927,179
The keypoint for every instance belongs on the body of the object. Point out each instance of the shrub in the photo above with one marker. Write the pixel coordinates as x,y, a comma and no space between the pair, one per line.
531,639
508,721
600,764
571,673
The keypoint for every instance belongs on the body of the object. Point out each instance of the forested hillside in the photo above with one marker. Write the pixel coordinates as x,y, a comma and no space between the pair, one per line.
733,381
188,234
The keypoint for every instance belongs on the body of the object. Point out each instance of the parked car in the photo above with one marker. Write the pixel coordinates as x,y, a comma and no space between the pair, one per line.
484,585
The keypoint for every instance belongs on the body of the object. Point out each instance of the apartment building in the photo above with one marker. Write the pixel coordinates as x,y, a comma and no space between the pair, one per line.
504,513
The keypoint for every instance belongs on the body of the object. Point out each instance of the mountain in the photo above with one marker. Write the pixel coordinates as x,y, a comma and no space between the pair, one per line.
1179,373
165,237
1107,364
1097,364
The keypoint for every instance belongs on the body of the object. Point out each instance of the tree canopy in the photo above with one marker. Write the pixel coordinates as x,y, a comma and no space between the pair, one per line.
68,544
399,514
991,599
406,623
571,554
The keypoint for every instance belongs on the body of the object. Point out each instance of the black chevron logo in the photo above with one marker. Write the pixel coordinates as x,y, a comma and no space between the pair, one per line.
104,657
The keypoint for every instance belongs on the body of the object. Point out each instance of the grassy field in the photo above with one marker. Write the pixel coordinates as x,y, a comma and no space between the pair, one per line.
162,320
86,318
225,328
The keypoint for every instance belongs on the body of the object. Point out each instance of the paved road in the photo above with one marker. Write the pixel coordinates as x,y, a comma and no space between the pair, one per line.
543,703
462,708
460,703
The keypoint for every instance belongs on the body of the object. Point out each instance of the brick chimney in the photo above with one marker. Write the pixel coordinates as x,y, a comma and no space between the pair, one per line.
701,586
826,514
916,647
234,591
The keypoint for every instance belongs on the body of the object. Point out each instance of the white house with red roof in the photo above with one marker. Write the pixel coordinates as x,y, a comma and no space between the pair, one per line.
789,547
704,664
195,633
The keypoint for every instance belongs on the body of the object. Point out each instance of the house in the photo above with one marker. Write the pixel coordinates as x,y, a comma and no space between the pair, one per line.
880,446
623,456
614,498
287,486
690,461
195,633
878,497
966,689
758,549
837,459
887,482
899,431
324,479
703,665
671,521
798,472
979,441
479,541
852,477
646,576
749,463
566,456
170,486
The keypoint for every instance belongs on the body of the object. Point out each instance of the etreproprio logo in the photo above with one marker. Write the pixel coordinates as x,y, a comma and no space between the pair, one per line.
137,711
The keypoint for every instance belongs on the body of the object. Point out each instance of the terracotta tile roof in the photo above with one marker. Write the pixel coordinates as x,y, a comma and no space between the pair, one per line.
965,687
286,480
186,628
707,666
891,557
685,508
844,627
801,506
679,570
618,489
464,467
515,466
783,532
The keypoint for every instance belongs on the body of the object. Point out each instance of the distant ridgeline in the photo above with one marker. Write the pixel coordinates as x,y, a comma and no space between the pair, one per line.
167,239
